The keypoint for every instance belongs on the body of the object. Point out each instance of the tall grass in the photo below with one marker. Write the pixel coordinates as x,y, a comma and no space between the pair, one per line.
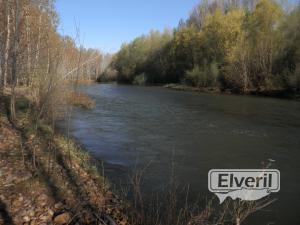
175,206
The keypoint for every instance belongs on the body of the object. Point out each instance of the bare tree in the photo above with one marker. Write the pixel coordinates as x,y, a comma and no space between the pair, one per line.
7,42
14,62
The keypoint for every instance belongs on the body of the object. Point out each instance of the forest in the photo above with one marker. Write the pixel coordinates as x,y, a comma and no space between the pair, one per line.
45,177
240,46
33,55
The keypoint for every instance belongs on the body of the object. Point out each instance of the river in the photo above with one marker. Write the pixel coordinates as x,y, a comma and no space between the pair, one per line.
190,133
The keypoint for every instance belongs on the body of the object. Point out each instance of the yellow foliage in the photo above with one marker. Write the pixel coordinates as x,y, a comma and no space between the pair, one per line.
225,29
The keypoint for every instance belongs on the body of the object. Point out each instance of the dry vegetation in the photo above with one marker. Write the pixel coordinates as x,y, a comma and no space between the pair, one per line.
35,57
46,178
81,100
174,206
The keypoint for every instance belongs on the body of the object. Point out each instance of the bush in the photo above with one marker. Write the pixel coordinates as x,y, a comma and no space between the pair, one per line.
81,100
202,76
140,79
108,75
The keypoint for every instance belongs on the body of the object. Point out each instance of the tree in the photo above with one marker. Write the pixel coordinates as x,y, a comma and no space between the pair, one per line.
134,58
252,46
14,74
287,60
263,39
7,43
186,49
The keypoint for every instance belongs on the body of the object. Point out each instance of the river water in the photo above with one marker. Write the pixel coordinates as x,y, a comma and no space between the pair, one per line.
187,134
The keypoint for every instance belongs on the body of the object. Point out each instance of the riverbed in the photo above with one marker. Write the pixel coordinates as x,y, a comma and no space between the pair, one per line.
187,134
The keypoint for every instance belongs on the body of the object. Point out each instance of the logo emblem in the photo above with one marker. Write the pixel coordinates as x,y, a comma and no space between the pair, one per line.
245,184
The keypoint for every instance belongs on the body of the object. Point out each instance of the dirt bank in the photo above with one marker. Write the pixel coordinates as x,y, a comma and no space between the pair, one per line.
47,179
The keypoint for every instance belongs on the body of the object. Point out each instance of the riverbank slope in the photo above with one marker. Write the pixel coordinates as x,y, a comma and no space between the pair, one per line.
47,179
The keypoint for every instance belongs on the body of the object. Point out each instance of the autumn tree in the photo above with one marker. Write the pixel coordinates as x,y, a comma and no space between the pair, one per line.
241,45
263,40
35,56
287,60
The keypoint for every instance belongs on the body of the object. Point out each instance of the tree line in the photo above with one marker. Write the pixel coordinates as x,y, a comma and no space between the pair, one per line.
34,55
238,45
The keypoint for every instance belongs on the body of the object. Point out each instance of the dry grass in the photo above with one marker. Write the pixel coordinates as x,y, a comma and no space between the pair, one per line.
79,82
61,171
81,100
174,205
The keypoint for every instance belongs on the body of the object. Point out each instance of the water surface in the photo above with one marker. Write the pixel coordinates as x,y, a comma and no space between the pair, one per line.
133,126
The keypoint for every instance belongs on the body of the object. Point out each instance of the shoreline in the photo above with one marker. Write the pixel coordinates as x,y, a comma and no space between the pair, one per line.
277,94
270,94
47,178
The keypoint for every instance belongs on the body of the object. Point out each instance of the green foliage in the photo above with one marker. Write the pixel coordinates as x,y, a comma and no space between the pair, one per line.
133,58
22,104
140,79
233,45
186,49
205,76
81,157
287,61
263,40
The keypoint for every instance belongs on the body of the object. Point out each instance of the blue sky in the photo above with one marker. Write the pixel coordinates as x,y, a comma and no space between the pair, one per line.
106,24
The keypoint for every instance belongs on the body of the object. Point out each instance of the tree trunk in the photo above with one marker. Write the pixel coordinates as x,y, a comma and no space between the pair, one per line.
1,77
14,65
28,48
37,55
7,45
245,71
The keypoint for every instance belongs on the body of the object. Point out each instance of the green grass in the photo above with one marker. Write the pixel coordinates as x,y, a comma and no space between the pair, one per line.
81,157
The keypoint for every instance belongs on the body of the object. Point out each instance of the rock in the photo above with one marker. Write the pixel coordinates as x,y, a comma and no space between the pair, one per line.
63,218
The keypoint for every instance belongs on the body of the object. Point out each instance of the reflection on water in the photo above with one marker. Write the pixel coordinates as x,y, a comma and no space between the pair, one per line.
132,126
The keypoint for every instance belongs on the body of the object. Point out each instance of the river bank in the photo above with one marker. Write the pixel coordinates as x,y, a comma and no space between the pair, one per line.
284,94
47,179
273,94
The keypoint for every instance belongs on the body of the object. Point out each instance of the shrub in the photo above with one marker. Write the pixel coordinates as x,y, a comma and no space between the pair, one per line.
81,100
140,79
205,76
108,75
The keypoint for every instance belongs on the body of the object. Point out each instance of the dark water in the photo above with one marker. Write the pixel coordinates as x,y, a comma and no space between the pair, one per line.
133,126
